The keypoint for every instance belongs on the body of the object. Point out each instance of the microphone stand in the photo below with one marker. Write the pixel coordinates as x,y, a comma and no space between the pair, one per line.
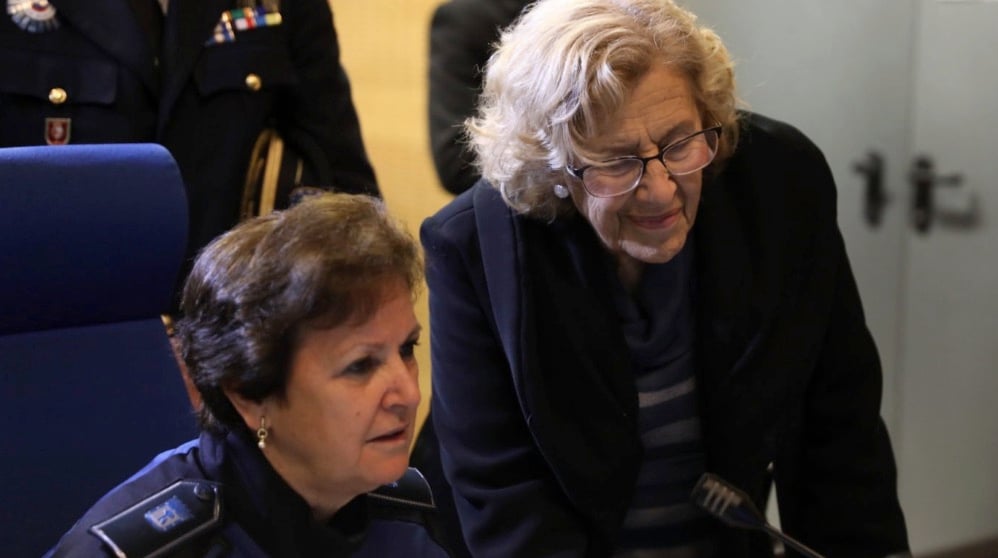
735,508
791,542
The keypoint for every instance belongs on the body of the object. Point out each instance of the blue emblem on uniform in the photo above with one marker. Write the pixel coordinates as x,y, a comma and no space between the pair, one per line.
168,515
34,16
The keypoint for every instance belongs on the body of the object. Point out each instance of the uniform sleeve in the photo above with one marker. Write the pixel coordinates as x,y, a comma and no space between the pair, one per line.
508,502
317,115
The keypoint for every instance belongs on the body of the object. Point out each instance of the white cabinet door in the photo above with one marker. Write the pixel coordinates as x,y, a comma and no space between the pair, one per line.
948,443
904,78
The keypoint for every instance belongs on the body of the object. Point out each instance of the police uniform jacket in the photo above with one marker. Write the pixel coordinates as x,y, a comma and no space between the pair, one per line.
217,496
85,71
534,401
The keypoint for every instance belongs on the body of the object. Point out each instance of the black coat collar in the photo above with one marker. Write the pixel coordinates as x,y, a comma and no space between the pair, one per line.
112,25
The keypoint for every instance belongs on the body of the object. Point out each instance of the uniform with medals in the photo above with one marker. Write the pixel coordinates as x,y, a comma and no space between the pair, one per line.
205,78
217,496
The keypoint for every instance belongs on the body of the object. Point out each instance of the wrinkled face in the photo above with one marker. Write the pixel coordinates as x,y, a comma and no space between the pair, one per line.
348,415
649,224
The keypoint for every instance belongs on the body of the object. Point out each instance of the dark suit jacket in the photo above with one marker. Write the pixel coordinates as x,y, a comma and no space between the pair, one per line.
533,397
193,98
462,33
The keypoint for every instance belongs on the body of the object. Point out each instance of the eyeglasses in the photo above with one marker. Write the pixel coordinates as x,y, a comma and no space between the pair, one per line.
619,176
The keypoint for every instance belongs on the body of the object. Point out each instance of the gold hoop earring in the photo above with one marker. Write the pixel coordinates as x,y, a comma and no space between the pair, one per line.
261,433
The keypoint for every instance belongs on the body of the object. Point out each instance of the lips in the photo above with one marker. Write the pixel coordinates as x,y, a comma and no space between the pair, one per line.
392,436
659,221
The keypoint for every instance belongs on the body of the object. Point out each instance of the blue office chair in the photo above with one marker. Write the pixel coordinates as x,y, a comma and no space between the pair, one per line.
91,242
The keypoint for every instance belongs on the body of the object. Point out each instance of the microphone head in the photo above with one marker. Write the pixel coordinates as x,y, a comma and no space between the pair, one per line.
727,503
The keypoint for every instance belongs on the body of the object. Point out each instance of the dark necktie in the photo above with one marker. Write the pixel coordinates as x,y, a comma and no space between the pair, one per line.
150,17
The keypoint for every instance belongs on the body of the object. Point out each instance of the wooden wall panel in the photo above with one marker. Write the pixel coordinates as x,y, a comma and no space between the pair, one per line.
385,49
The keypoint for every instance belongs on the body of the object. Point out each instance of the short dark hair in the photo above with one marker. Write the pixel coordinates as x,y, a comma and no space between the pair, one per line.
325,262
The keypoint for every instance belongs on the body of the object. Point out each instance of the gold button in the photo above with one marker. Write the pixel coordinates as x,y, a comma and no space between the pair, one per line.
253,82
58,96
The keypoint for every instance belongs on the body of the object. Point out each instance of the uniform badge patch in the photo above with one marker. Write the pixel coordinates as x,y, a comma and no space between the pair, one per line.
164,521
34,16
168,515
57,131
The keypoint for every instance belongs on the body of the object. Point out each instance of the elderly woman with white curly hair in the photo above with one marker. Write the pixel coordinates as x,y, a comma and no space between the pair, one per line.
595,352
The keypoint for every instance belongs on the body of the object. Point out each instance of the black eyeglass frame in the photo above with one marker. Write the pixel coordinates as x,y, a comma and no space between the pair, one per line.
578,172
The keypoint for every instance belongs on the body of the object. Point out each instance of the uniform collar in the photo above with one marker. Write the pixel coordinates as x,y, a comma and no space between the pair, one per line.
274,515
112,25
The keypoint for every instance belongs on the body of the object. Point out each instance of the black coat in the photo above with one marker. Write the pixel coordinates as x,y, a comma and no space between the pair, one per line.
535,406
192,97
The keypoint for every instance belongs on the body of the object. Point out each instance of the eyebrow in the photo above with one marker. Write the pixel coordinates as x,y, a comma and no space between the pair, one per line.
413,334
627,148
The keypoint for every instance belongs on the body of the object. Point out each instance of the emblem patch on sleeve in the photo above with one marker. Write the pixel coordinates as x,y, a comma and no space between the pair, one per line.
164,521
168,515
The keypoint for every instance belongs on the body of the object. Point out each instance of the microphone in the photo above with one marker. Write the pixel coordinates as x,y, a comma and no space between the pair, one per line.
735,508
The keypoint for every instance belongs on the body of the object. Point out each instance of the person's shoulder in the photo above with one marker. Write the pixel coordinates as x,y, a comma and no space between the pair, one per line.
165,505
403,515
459,217
776,165
762,134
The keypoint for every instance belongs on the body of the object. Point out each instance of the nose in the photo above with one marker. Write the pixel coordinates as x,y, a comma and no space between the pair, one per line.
403,389
657,183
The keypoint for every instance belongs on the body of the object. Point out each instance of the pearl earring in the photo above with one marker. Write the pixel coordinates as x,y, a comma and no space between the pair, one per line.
560,191
261,433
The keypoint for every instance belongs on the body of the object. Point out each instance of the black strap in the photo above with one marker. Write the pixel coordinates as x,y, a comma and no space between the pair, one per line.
411,490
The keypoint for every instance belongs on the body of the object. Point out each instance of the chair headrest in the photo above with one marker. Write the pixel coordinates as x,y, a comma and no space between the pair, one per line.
89,234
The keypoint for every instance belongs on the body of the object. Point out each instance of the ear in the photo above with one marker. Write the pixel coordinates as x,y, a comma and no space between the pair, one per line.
249,410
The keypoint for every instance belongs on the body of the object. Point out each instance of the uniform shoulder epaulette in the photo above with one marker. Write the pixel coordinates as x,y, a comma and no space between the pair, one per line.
410,490
163,521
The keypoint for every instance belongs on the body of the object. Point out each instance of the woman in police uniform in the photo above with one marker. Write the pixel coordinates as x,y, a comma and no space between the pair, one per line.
298,333
203,78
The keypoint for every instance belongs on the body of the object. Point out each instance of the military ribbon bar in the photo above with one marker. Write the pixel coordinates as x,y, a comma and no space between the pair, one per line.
242,19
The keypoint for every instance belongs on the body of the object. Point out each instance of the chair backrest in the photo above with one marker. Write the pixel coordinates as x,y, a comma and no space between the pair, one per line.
91,241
